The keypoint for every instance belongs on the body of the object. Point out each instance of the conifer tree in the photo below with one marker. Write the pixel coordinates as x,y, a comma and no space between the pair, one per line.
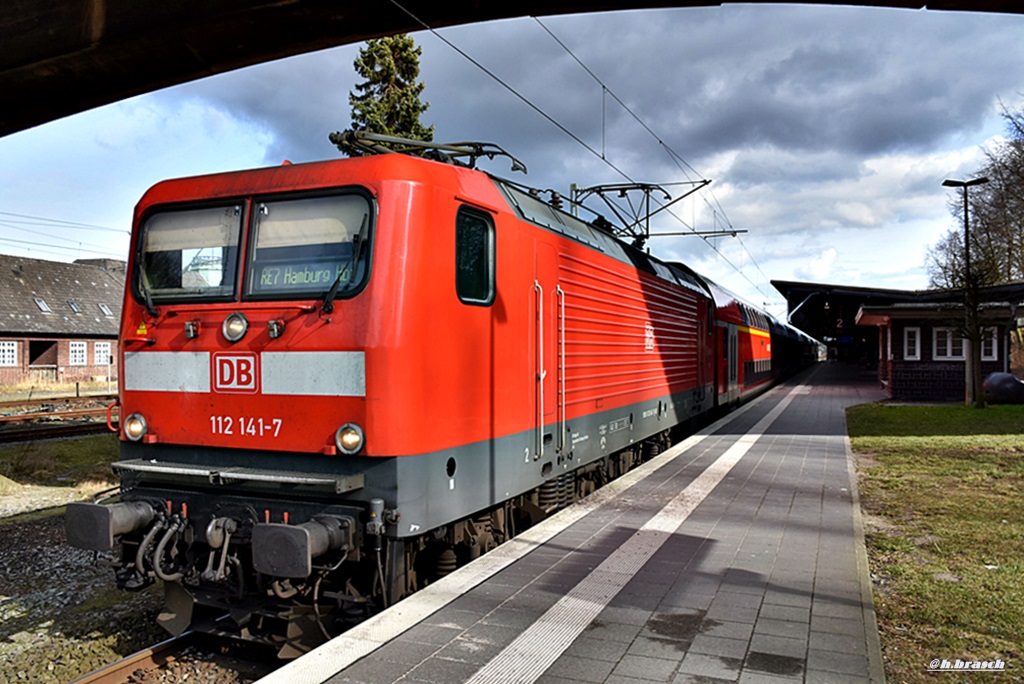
388,100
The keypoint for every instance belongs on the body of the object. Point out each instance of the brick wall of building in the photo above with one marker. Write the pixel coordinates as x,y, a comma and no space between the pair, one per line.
927,379
934,381
56,361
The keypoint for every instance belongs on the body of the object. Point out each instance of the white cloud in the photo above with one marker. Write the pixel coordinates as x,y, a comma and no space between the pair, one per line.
820,267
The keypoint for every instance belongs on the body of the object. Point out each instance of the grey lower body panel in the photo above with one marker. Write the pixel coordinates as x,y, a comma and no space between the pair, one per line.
428,490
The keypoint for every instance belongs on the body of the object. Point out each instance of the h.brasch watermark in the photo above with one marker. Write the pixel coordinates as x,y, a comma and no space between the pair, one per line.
957,665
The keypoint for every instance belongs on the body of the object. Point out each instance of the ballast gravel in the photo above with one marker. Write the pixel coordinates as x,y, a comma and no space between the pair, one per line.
61,615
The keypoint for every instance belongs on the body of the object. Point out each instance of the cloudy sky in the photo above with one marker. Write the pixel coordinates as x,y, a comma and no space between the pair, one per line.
826,131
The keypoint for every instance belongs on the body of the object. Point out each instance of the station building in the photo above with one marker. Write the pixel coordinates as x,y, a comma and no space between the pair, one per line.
912,339
922,353
59,321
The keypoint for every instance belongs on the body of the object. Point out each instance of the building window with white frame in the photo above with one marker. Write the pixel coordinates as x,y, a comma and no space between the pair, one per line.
9,353
77,353
912,343
989,344
101,353
949,345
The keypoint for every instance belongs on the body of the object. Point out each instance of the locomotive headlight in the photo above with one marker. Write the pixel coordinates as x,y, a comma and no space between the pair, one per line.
349,438
235,326
135,427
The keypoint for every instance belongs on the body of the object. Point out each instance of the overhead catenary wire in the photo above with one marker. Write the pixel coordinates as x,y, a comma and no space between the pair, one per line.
40,220
497,79
680,162
26,222
561,127
683,165
78,243
35,245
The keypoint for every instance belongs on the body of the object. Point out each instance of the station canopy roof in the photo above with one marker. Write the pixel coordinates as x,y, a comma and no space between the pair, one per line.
831,311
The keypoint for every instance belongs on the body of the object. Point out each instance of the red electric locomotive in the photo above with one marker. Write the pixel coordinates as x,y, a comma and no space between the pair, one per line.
340,380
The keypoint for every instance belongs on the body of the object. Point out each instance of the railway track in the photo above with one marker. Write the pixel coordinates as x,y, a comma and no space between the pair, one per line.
147,660
44,419
191,655
38,404
39,432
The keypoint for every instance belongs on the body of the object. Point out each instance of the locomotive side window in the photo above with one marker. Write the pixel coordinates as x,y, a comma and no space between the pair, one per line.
474,257
190,253
307,246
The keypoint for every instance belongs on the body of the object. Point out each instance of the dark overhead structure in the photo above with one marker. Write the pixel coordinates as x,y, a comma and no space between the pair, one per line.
828,313
833,313
61,57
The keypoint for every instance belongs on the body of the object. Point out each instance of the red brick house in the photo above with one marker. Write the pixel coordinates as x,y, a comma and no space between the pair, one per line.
59,321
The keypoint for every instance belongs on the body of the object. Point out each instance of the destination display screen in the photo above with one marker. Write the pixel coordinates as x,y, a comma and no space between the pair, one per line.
300,247
305,276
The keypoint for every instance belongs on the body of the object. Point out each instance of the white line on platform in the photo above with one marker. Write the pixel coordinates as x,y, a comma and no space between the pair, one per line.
327,660
540,645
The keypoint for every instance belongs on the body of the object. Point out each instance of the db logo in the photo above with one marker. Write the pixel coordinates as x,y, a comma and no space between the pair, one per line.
235,373
648,338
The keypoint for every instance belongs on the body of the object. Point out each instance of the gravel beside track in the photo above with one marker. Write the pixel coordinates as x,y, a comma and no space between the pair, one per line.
61,615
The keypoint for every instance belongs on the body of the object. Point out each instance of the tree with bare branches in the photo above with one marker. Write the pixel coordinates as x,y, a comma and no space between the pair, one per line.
997,219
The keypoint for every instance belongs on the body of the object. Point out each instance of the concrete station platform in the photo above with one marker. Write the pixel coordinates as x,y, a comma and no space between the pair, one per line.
736,556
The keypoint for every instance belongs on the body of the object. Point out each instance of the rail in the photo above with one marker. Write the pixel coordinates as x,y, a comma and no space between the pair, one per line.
54,415
36,432
146,659
49,401
23,427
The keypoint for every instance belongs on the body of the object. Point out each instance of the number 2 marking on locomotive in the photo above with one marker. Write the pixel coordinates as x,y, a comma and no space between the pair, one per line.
253,427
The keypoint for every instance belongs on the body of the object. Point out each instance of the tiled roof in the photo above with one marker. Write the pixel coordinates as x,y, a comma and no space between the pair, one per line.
28,286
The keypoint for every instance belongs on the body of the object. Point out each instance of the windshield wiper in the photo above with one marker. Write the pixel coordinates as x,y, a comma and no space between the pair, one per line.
353,263
150,309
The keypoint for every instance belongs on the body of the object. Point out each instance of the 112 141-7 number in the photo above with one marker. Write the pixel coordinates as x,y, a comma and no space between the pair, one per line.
242,425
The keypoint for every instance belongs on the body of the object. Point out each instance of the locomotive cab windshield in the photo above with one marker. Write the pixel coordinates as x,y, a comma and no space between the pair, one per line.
305,246
191,253
299,248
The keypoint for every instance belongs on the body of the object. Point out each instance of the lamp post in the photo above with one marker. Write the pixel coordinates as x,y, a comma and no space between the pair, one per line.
972,368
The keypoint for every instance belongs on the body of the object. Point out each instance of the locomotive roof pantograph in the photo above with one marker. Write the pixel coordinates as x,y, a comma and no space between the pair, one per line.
636,216
365,142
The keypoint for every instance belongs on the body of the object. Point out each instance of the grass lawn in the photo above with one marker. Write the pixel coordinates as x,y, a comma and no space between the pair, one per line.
57,463
942,489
